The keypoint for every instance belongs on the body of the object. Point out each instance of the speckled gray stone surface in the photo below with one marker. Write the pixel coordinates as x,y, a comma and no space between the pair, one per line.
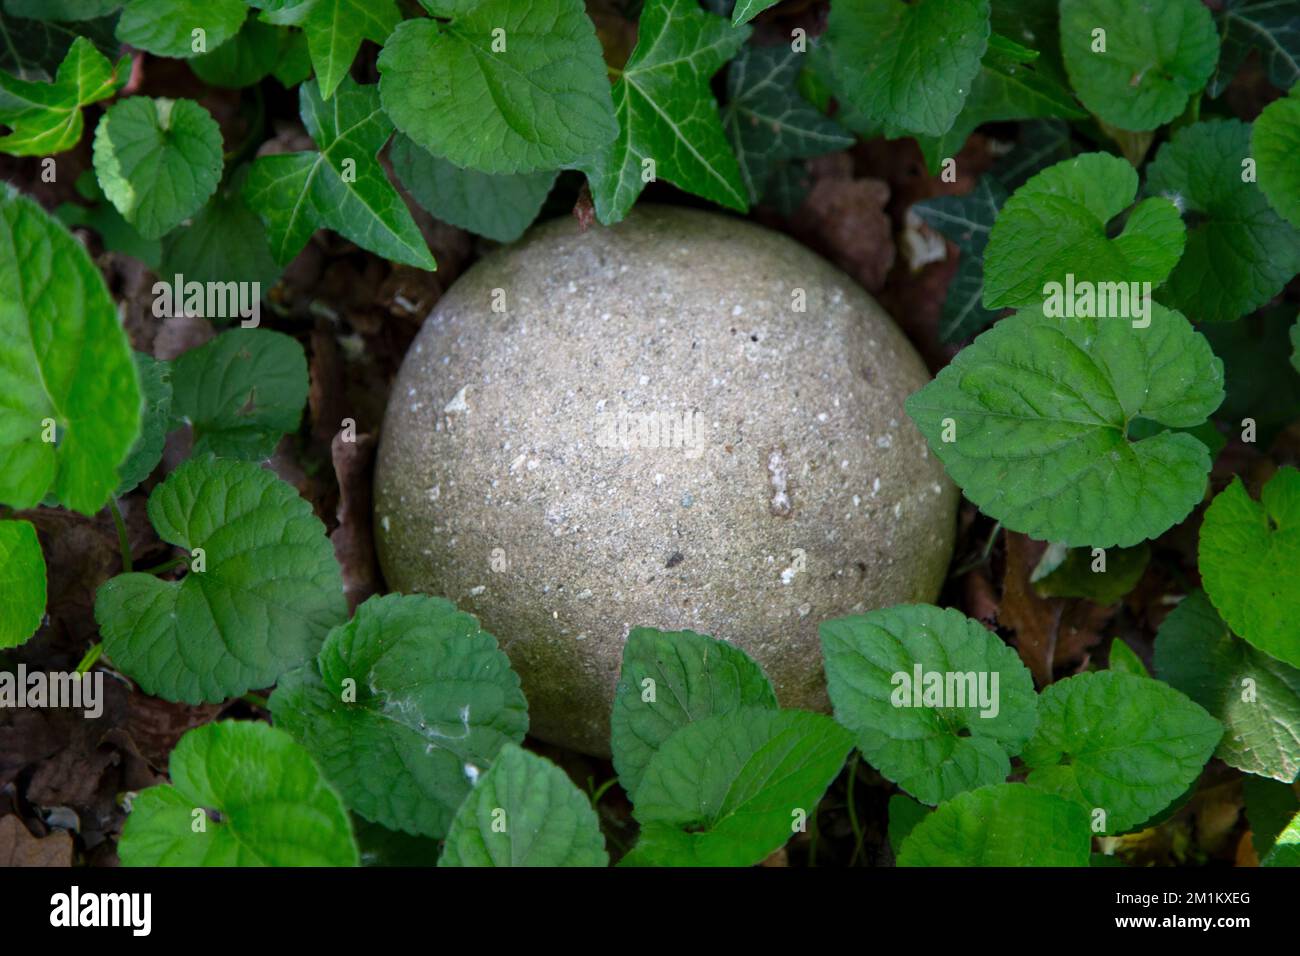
782,484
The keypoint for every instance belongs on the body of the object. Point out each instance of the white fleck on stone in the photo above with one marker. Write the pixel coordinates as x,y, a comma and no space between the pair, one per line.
457,403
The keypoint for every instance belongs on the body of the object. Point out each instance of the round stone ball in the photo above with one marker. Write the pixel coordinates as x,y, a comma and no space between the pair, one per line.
685,422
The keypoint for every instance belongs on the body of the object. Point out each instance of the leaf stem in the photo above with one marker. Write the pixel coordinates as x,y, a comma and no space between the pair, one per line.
257,700
92,655
123,542
858,835
165,566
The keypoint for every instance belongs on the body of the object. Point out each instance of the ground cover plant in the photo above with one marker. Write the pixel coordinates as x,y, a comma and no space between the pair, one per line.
224,221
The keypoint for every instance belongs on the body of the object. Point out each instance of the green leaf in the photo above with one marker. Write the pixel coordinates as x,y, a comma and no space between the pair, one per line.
1270,805
269,590
525,811
334,30
1005,824
908,65
156,393
1153,56
746,10
32,49
1008,86
1270,26
45,118
1286,849
1256,697
668,125
266,805
904,814
767,121
224,242
670,679
1125,660
1240,253
165,27
1056,225
1259,377
1275,141
730,789
1249,560
22,583
241,392
244,59
102,217
405,705
541,102
1121,744
966,220
56,319
498,207
157,161
935,702
1074,575
1042,143
70,10
1037,409
342,186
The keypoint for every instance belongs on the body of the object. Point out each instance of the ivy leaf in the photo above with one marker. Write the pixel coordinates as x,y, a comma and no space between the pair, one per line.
266,805
157,161
244,59
22,583
268,591
687,677
966,220
746,10
1074,575
1037,409
405,705
1008,86
1042,143
342,186
334,30
45,118
1152,57
224,242
504,88
1249,559
767,121
525,811
241,391
156,392
1005,824
56,319
165,27
1056,224
1122,744
33,49
725,790
498,207
1270,26
1240,253
1274,142
909,66
879,668
668,125
1256,697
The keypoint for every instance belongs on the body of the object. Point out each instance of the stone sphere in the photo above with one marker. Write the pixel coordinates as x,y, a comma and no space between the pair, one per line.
684,421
